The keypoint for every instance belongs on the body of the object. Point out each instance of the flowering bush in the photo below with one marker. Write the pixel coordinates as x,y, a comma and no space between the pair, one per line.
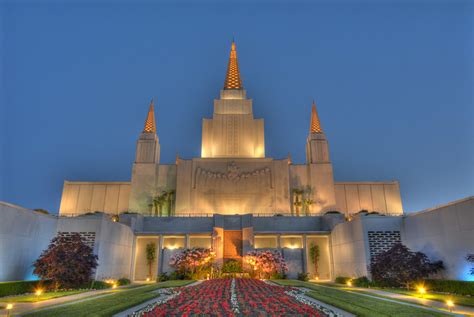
266,264
193,263
233,297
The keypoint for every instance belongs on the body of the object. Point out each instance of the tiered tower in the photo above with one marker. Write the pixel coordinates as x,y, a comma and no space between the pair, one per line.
146,165
148,146
233,132
320,170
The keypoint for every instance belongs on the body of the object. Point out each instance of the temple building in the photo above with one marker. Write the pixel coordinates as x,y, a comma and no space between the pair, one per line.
234,199
233,175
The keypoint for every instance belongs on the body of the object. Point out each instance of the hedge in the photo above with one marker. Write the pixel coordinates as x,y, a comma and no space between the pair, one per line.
20,287
99,285
342,279
451,286
123,281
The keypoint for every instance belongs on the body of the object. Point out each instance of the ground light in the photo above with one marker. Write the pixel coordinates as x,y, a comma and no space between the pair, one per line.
147,279
38,292
349,283
422,291
114,286
9,307
450,305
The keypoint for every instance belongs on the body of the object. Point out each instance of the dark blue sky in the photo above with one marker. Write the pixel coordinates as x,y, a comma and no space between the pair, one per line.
393,82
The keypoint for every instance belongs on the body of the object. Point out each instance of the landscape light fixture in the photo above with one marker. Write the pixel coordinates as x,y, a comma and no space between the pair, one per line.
450,305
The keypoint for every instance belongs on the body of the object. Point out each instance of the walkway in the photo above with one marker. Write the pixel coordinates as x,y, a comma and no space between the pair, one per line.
20,308
413,301
463,310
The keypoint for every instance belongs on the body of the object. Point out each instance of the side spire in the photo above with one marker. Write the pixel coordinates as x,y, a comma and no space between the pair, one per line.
150,126
232,79
315,124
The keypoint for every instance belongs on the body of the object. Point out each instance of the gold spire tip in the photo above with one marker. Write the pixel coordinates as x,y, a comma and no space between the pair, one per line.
315,124
232,79
150,126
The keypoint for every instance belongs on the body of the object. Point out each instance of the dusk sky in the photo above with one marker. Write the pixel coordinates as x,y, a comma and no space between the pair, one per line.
393,81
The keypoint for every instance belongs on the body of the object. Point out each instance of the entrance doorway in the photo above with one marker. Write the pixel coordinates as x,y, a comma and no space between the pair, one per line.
233,244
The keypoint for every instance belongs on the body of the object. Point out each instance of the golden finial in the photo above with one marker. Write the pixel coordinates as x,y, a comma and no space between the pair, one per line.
232,79
315,124
150,126
290,161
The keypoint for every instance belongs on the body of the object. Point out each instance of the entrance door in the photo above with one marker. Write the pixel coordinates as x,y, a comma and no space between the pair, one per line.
233,244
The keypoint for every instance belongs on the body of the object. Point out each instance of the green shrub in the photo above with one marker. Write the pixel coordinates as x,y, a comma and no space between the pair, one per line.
123,281
176,276
42,211
451,286
342,279
362,281
21,287
100,285
278,276
303,277
162,277
232,266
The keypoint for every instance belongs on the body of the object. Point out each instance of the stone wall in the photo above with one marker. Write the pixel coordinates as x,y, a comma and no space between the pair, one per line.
444,233
24,234
83,197
383,197
350,243
113,243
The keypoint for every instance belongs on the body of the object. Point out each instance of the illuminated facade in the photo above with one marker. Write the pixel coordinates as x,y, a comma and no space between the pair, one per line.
234,199
233,175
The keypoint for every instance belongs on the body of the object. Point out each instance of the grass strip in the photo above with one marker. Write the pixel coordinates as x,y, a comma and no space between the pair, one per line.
359,305
108,305
457,299
31,298
467,301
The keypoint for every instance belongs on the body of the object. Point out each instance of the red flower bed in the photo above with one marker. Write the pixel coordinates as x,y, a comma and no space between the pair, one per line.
251,298
256,297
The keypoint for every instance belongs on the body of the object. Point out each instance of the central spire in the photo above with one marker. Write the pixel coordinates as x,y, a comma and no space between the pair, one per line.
315,124
150,126
232,79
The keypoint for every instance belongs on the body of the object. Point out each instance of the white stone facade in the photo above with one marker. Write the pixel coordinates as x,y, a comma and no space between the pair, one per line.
233,176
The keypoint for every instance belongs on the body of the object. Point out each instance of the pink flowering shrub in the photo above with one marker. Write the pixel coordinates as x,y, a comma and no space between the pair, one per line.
193,263
266,264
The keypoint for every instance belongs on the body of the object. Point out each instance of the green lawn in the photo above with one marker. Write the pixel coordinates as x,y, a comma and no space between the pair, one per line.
111,304
29,298
359,305
457,299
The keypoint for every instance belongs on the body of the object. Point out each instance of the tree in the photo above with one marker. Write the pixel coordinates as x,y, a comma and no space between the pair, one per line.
470,259
314,256
150,253
68,262
401,266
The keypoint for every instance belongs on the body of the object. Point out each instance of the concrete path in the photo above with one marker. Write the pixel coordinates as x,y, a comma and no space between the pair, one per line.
413,301
20,308
463,310
333,308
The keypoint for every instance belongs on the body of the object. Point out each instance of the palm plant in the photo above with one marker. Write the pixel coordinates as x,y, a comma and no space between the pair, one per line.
314,256
150,253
